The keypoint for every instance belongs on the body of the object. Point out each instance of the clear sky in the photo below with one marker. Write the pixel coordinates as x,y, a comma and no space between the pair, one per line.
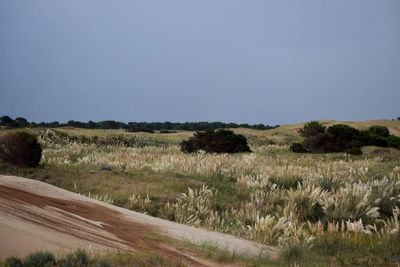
210,60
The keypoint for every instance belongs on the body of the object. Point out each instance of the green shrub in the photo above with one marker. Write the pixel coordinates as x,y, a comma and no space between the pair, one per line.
68,261
293,253
20,148
394,141
344,132
312,128
378,130
326,183
78,258
374,140
377,136
354,151
297,148
82,258
343,138
321,143
39,259
337,138
6,121
221,141
14,262
103,263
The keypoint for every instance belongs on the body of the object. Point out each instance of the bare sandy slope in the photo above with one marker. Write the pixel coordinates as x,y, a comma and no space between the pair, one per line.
37,216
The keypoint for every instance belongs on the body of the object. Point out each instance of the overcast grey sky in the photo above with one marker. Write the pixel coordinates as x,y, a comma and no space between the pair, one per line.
232,61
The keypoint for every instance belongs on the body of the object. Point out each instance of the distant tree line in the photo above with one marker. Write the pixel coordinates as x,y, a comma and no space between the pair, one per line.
165,127
343,138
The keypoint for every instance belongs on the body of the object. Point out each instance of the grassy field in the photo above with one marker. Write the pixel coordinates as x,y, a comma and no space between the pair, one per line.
170,138
322,209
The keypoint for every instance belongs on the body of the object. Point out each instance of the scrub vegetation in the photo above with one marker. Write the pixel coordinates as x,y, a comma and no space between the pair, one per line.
220,141
343,138
84,258
20,148
325,209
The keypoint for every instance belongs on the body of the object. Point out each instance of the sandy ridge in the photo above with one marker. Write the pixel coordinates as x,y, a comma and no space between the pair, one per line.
38,216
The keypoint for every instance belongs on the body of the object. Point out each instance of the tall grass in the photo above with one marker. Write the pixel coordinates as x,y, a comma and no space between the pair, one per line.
281,198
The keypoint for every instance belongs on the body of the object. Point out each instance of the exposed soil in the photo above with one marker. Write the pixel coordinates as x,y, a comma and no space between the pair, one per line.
100,226
36,216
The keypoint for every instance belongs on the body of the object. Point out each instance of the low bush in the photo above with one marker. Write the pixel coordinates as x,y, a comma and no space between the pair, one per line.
356,151
297,148
20,148
378,130
14,262
78,258
394,141
342,138
293,253
380,141
39,259
344,134
312,128
107,259
220,141
321,143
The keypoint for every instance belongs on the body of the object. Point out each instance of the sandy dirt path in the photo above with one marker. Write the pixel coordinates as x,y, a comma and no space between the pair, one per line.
37,216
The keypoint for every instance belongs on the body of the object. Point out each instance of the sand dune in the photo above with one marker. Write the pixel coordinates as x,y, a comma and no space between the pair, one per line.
37,216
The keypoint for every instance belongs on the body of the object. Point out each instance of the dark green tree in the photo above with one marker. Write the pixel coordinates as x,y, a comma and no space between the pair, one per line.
378,130
21,122
20,148
312,128
220,141
6,121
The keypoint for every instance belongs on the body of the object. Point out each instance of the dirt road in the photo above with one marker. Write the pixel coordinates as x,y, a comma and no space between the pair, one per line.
37,216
